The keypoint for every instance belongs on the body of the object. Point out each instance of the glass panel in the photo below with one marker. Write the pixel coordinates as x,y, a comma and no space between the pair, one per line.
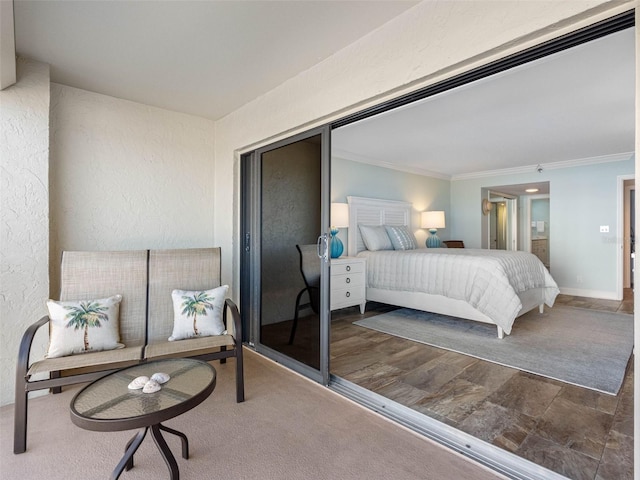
290,226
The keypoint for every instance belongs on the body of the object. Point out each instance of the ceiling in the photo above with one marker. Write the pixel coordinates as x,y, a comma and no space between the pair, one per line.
205,58
576,104
208,58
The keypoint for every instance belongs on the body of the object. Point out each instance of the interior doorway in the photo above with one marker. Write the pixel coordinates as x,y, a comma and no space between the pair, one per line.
503,221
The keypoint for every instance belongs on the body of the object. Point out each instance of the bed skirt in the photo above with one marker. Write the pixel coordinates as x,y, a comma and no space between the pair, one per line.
447,306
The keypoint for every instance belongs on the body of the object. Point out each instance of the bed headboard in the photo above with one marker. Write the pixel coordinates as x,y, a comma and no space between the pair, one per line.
374,211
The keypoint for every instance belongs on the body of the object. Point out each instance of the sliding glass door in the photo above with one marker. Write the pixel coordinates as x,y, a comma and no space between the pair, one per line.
285,261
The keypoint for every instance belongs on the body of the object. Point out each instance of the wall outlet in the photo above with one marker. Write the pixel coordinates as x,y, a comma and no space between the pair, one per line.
604,228
579,279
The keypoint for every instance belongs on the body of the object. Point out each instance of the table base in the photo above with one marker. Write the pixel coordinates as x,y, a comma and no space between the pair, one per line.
126,463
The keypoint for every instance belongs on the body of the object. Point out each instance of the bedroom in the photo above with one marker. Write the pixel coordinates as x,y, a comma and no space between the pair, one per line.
585,192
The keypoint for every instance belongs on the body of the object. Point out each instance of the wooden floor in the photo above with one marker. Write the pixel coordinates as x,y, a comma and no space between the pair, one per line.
577,432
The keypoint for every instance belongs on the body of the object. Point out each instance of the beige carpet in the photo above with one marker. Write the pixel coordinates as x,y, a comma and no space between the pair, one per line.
288,428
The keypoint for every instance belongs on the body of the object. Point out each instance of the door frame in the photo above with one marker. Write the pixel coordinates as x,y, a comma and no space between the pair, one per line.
620,251
250,257
511,204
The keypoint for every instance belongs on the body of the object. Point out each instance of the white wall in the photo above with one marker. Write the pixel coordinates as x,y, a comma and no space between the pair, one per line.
128,176
362,180
24,214
582,199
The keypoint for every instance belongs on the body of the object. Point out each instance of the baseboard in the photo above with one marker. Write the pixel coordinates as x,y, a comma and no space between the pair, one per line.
578,292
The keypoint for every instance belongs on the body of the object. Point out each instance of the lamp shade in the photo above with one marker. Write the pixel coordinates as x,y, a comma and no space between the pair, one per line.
339,215
433,219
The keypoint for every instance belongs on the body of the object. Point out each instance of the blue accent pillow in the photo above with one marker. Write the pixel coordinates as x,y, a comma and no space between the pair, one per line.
401,237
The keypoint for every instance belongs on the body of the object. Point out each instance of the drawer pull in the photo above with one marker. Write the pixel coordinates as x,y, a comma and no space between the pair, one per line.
348,280
348,294
348,268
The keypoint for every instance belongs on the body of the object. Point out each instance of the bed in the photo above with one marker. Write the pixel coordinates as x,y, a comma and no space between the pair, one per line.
490,286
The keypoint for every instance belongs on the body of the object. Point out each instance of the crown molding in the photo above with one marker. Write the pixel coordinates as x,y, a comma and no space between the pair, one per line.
354,157
579,162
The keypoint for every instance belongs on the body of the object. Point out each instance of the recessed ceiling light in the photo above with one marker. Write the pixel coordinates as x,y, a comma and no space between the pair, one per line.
531,190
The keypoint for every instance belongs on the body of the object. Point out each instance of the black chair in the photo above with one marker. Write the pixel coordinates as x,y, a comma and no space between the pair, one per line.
310,270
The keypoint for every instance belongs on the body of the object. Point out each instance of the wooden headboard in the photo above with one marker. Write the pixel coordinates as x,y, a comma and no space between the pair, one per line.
374,211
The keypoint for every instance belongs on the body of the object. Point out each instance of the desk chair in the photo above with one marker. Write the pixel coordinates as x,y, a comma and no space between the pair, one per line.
310,270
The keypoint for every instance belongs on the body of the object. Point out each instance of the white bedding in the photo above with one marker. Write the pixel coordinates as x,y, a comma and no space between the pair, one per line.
488,280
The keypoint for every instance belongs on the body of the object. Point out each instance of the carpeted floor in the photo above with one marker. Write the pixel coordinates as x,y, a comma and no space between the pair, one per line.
578,346
288,428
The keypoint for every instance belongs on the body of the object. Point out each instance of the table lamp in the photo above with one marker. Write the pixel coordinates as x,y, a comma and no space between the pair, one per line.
339,219
433,221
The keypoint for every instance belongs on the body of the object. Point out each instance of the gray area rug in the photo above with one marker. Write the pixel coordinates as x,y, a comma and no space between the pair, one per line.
573,345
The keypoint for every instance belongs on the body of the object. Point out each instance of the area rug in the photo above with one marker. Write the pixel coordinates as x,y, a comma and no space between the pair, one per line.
573,345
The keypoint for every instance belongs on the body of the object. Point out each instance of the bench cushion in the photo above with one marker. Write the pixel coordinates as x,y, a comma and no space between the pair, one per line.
105,360
188,348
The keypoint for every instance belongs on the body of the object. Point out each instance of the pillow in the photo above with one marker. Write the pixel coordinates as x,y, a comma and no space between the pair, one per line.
375,237
198,313
83,326
401,237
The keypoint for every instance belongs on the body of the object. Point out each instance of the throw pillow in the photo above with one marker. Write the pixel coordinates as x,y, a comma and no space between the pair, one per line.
83,326
375,237
401,237
198,313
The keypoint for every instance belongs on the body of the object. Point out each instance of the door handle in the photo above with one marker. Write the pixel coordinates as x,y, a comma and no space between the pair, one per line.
323,247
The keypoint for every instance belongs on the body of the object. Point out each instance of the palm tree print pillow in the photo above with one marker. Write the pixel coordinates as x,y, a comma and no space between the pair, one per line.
198,313
83,326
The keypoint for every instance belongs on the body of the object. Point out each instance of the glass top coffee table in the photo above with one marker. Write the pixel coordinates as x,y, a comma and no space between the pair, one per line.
108,405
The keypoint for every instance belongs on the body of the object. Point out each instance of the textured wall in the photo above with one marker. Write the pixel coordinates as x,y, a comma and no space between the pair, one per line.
24,214
128,176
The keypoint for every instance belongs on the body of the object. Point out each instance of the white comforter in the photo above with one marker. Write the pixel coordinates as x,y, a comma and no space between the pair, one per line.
489,280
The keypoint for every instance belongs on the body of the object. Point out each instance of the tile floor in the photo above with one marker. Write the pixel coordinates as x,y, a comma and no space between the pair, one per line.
577,432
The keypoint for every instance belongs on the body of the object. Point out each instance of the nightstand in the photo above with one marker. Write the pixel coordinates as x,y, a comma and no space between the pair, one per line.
348,282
